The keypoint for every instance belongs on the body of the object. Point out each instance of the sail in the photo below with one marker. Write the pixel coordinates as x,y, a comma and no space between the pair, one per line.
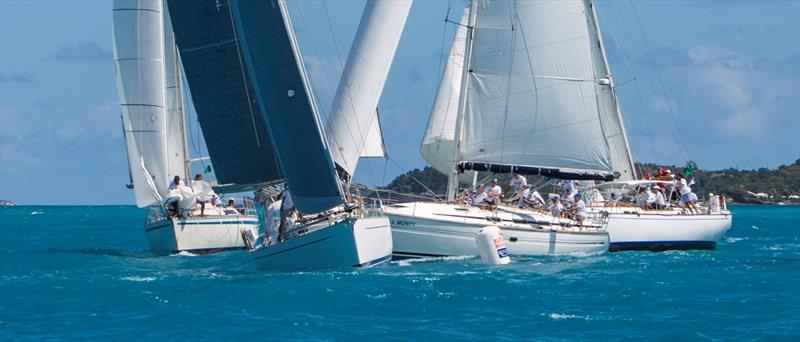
439,143
176,135
138,59
233,126
353,111
610,113
274,65
373,142
532,92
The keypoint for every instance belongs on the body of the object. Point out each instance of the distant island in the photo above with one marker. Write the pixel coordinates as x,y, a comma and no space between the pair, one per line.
761,186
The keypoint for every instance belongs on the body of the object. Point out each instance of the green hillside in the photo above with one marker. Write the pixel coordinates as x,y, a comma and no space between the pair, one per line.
736,184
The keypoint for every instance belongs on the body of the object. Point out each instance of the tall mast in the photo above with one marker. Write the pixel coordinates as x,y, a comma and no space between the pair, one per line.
452,178
596,27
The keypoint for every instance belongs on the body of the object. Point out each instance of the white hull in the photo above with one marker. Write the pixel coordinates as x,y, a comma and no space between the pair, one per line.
422,229
199,235
362,242
636,229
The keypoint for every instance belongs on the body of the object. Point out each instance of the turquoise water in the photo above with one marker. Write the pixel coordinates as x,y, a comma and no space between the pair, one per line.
84,273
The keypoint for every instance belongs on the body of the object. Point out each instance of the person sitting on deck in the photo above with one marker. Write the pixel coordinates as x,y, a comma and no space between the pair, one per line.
231,209
579,210
688,198
205,194
557,209
481,197
531,199
518,183
650,200
495,193
661,200
569,190
174,183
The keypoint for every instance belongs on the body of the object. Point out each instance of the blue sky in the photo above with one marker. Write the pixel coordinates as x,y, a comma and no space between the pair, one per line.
731,70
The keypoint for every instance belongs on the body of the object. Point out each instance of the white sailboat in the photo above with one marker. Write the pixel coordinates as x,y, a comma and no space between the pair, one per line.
519,94
331,229
632,228
150,90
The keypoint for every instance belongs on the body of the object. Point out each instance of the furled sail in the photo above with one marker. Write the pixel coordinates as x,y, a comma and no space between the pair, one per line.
275,67
234,129
353,112
176,135
138,58
439,143
532,92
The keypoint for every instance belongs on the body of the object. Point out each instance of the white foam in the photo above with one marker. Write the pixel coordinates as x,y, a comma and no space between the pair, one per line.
37,212
139,279
184,253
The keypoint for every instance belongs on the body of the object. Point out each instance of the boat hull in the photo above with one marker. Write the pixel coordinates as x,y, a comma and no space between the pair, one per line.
363,242
199,235
438,229
666,230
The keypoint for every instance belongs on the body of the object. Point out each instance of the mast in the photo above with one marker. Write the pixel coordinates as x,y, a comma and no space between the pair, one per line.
617,109
452,178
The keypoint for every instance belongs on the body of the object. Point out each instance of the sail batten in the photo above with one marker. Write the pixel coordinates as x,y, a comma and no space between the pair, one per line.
532,90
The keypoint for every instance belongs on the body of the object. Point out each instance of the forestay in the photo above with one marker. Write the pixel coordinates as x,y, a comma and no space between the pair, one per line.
532,92
234,129
439,143
138,57
274,65
353,116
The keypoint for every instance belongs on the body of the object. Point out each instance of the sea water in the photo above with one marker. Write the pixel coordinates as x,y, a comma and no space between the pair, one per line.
85,273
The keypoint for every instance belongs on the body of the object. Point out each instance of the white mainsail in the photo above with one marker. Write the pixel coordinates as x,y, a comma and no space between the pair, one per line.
532,93
439,143
353,112
176,135
138,57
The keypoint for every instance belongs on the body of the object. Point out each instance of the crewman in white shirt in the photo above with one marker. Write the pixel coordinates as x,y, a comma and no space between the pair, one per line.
495,193
518,183
205,194
287,207
480,196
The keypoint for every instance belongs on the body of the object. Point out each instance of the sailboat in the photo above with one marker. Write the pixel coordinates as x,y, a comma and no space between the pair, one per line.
149,84
248,50
520,94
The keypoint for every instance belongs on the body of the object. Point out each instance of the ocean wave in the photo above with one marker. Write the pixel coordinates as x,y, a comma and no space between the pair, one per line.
139,279
37,212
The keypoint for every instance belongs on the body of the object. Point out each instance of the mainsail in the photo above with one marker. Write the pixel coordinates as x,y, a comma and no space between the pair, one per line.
533,89
233,125
353,123
280,84
138,58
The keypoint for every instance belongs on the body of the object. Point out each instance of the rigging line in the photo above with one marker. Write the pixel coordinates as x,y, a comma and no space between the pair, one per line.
324,75
244,77
333,36
636,83
660,80
409,175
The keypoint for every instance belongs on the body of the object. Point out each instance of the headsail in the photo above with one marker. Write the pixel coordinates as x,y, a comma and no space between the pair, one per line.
532,92
439,143
353,113
138,58
274,65
234,129
176,135
373,143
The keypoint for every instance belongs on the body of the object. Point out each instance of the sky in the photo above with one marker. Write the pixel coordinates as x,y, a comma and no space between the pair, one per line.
725,73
